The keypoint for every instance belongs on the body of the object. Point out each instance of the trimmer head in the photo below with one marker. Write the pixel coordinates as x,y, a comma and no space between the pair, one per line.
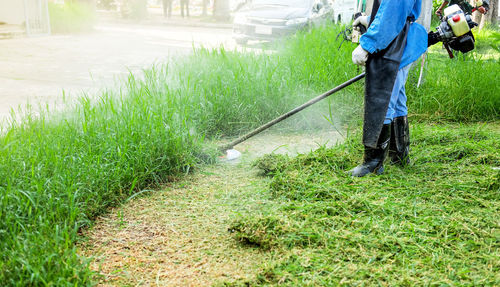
232,154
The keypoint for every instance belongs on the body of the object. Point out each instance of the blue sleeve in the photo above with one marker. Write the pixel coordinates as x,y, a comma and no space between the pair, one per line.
388,23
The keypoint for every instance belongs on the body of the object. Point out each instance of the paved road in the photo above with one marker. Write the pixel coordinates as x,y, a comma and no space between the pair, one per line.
39,69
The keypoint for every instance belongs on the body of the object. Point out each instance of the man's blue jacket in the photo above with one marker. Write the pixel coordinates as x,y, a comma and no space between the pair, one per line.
388,23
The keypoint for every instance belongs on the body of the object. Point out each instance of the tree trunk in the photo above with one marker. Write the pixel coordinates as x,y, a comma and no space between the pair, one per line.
204,7
490,17
221,10
426,15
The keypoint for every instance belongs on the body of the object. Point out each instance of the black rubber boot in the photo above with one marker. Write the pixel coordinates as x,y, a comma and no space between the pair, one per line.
399,148
373,160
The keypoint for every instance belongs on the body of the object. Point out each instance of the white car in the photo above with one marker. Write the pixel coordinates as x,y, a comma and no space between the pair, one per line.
271,19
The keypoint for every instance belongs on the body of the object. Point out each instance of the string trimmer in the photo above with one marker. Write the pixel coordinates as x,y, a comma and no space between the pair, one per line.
228,147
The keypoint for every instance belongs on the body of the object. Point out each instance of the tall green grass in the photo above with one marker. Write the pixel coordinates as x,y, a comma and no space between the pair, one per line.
59,170
235,91
459,89
57,175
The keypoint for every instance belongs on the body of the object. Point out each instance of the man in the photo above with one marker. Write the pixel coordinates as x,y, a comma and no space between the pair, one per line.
392,42
465,5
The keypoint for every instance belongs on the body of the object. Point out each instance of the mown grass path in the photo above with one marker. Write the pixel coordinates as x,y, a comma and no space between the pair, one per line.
309,224
179,236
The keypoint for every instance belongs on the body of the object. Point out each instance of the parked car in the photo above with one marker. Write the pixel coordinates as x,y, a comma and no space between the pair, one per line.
345,10
271,19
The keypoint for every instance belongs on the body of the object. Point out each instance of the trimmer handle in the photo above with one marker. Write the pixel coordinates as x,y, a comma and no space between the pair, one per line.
361,28
357,30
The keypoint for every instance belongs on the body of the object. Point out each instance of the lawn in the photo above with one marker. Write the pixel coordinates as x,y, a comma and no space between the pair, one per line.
60,170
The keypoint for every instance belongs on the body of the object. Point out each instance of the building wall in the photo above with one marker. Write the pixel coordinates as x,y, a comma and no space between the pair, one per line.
12,11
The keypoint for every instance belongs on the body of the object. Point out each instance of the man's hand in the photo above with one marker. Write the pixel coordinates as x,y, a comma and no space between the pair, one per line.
363,20
439,11
482,10
359,56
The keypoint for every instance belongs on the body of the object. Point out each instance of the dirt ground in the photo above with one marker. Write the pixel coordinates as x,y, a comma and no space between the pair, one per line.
179,235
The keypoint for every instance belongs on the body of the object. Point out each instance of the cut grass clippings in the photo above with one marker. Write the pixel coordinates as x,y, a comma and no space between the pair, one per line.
435,222
178,236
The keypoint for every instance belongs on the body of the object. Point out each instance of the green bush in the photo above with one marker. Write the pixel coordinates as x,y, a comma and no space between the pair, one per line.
71,17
